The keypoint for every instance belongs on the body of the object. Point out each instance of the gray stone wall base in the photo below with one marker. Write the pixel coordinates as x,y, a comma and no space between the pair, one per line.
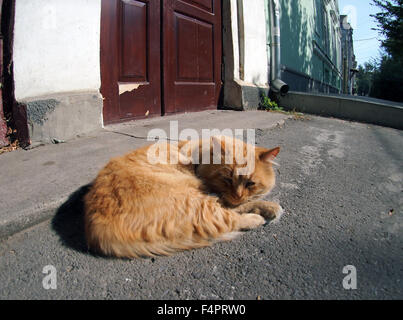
376,112
242,96
60,117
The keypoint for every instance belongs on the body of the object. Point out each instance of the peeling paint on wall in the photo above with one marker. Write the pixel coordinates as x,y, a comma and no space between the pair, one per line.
37,111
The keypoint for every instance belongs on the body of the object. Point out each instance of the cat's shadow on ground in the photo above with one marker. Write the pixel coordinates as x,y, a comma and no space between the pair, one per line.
68,221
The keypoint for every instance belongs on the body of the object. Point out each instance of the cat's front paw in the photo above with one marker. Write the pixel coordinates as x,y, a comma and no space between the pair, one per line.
250,221
269,210
278,214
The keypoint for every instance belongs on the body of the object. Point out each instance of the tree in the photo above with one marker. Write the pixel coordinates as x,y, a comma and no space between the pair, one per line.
365,78
386,78
390,25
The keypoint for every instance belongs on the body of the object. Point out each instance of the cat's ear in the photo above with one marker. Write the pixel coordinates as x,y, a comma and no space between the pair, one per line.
269,155
184,158
185,153
225,145
217,143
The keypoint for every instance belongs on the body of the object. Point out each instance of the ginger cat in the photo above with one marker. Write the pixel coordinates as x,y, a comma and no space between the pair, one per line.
136,209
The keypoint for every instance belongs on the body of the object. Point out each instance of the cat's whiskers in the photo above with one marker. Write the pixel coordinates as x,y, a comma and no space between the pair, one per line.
274,163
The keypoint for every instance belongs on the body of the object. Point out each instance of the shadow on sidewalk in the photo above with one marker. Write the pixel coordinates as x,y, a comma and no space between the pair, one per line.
69,221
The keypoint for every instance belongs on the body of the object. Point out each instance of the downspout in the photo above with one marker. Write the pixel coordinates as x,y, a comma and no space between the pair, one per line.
277,85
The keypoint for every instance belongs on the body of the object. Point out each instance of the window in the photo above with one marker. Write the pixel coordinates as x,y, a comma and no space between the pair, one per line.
327,76
325,30
316,6
334,46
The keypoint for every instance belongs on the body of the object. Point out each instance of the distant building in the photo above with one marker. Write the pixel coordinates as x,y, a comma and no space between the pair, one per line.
349,68
310,45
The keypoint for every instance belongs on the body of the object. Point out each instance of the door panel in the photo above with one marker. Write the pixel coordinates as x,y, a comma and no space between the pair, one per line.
133,42
194,49
130,59
192,55
132,53
202,4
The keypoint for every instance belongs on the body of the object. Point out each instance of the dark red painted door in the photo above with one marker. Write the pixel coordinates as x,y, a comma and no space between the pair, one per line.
132,54
192,54
130,59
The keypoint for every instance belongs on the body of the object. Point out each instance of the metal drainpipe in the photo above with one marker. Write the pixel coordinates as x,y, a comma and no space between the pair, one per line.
277,85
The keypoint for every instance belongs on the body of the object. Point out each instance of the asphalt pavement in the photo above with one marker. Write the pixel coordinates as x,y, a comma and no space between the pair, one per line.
341,185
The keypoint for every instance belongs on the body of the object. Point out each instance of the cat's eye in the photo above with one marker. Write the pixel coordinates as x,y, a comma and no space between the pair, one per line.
228,181
249,184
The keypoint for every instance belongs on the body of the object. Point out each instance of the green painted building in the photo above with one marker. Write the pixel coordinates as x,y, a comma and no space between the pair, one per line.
310,39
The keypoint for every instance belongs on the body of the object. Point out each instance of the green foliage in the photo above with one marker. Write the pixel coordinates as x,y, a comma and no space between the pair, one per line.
269,105
383,78
388,79
390,25
365,78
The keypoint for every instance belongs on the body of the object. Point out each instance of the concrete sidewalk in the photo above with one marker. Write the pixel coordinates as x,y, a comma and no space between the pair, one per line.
34,183
339,183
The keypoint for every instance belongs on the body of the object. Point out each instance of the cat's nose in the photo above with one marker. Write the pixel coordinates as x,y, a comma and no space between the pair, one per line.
239,192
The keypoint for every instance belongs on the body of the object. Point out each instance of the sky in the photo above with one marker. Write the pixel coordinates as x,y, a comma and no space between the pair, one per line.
366,41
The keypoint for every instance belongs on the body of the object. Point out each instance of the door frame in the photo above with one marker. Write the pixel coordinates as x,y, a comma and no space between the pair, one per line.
3,124
15,113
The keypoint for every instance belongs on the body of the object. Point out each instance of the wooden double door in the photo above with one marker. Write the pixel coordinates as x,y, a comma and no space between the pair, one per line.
159,57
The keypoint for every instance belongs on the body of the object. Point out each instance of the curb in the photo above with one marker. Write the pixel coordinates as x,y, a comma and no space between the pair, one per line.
30,217
378,112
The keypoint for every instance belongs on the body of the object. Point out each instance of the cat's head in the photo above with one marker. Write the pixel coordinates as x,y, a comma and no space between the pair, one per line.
246,177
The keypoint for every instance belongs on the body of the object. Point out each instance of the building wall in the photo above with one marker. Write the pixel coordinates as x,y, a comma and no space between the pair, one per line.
245,53
348,58
56,46
310,53
56,61
255,59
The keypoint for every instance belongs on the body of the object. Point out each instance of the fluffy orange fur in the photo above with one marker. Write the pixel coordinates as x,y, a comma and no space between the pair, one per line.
135,208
